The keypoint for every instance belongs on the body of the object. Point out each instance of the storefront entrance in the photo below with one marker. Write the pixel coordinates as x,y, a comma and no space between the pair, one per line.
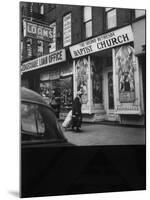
109,94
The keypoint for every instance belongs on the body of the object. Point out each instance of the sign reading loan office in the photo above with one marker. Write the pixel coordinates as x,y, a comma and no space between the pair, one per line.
37,31
102,42
43,61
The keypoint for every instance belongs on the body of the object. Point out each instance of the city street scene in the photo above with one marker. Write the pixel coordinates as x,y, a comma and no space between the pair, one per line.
88,64
106,135
83,99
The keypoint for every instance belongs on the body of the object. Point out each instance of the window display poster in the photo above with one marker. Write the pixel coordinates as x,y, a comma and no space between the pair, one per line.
126,75
81,67
96,76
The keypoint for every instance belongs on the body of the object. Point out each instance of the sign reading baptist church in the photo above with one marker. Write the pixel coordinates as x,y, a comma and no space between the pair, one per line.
37,31
115,38
43,61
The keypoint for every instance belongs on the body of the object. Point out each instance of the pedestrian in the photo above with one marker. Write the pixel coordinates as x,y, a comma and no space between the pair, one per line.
76,111
53,102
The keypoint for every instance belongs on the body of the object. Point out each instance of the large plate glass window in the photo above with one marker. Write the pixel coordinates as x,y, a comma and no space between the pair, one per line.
57,91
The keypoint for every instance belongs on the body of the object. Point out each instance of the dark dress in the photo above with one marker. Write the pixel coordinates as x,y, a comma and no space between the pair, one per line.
76,113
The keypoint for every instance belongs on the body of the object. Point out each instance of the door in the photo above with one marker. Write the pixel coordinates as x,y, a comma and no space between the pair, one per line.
108,91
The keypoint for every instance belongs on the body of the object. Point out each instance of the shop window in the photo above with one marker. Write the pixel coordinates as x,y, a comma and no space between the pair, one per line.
111,18
139,13
125,60
45,90
87,19
96,75
40,48
81,67
110,91
57,91
66,92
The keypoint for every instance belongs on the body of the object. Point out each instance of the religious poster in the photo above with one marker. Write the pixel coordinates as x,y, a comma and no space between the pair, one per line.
81,68
96,77
126,78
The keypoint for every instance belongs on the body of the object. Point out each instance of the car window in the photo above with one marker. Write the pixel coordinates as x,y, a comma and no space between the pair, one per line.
38,122
32,121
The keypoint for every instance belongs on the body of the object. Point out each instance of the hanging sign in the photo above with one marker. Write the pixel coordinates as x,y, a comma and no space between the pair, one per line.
37,31
126,81
53,43
43,61
102,42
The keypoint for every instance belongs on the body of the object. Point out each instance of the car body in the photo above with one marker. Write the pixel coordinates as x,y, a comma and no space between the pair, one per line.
39,125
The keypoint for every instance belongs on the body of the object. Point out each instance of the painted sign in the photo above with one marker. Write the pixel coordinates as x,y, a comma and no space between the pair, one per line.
53,42
43,61
102,42
126,80
37,31
67,30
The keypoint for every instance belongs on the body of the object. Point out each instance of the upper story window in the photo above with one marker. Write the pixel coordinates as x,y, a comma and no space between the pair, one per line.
67,35
29,47
139,13
39,48
111,17
42,9
87,19
21,49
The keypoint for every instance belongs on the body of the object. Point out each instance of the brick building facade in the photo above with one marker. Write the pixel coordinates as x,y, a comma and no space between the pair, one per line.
102,49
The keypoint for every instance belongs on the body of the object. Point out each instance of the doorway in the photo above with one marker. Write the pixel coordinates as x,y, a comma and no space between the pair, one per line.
108,91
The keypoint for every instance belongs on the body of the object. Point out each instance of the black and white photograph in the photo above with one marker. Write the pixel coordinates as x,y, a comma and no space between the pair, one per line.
82,99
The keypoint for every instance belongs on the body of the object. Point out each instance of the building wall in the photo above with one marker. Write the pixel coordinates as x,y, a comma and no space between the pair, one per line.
55,13
124,16
98,21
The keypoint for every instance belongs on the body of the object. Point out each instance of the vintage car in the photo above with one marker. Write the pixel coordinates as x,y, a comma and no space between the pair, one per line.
38,121
49,165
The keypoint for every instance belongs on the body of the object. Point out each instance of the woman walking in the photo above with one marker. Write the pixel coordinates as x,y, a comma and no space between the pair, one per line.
76,112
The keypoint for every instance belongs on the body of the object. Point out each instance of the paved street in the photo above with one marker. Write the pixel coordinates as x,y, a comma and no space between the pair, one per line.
98,134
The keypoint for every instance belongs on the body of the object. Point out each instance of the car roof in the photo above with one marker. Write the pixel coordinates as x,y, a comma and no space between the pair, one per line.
32,96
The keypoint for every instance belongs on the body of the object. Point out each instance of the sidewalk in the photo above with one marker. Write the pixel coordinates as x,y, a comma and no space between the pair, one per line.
98,134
